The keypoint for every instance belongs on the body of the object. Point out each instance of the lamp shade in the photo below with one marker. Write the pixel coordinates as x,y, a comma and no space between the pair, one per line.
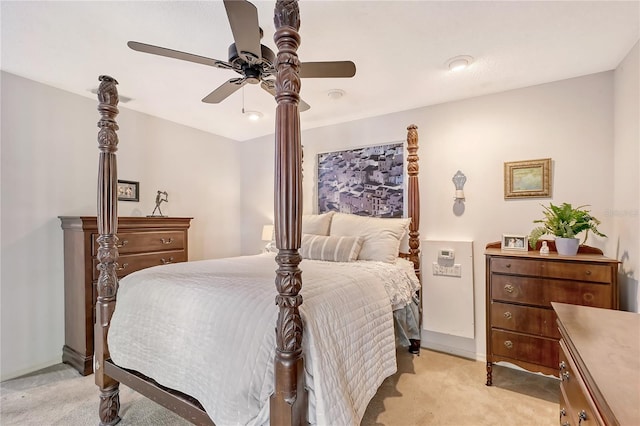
267,232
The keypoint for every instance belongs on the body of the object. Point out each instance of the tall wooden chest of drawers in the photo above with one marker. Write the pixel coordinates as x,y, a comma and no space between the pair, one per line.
143,242
520,285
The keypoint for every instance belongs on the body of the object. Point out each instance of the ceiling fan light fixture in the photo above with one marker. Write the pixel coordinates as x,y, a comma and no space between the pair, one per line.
253,115
459,63
335,94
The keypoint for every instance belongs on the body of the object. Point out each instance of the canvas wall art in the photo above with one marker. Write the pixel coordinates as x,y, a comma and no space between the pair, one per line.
365,181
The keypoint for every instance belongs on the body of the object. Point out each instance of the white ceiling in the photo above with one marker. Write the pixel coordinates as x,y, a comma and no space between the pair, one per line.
400,49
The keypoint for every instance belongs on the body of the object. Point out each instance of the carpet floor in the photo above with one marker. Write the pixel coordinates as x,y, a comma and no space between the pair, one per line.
431,389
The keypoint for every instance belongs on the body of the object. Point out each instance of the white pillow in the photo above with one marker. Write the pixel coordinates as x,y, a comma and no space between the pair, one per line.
334,249
317,224
381,237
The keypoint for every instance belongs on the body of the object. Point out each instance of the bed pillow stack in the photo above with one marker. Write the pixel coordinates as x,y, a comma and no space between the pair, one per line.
317,224
381,237
318,245
333,249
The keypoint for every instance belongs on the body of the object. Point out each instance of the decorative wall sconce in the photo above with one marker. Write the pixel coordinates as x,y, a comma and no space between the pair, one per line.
459,179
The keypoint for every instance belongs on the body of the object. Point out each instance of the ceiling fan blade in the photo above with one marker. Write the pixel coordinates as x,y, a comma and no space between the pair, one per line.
176,54
270,86
224,90
303,106
243,19
336,69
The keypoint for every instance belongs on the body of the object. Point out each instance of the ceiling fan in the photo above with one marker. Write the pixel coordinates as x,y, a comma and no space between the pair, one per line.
248,57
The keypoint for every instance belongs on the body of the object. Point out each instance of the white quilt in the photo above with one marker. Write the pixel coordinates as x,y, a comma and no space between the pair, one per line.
206,328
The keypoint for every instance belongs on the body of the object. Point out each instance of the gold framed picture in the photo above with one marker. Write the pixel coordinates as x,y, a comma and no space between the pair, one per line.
530,178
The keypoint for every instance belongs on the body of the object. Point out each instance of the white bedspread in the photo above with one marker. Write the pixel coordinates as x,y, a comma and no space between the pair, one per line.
206,328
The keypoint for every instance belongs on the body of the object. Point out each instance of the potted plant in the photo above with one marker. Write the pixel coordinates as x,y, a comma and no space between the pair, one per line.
565,222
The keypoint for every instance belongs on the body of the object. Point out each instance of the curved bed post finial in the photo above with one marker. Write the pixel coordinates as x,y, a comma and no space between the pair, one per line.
289,401
414,197
107,285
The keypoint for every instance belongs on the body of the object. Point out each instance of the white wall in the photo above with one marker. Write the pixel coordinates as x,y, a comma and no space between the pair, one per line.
626,212
49,168
570,121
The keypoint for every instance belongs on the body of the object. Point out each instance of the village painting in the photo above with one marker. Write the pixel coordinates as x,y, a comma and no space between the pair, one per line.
364,181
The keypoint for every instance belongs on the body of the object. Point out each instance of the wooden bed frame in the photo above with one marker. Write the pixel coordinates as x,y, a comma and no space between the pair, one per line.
288,404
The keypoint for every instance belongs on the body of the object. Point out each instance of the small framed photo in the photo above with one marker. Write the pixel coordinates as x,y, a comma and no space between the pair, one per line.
530,178
515,242
128,190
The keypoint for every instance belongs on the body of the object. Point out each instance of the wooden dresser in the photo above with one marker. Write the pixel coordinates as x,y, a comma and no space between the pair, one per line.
599,366
143,242
520,286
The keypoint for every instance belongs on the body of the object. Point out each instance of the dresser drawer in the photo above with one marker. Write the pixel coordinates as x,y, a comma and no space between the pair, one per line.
553,269
583,409
134,262
536,350
566,414
524,319
541,292
138,242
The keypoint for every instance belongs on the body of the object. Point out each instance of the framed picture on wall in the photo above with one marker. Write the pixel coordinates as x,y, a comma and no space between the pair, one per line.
367,181
530,178
515,242
128,190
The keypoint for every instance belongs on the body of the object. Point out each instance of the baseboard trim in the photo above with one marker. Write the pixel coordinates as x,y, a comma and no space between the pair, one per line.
454,345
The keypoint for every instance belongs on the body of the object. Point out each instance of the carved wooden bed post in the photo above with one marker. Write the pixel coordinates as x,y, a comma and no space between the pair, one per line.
289,401
414,197
108,249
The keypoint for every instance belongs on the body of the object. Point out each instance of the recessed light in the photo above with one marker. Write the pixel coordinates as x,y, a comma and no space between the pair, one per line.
335,93
253,115
459,63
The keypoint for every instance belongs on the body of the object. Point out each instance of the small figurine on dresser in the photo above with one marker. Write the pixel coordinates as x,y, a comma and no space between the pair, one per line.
160,197
544,249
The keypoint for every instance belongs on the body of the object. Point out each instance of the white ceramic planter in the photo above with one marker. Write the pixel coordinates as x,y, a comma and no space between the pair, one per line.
567,246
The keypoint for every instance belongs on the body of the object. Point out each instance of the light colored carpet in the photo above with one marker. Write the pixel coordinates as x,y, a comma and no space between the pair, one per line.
432,389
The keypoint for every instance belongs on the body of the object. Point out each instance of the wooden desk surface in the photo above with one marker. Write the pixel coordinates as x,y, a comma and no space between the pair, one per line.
606,344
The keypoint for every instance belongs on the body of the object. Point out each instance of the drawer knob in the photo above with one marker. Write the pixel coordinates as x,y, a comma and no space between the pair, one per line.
507,315
166,261
562,365
508,288
123,267
508,265
582,416
564,376
122,243
166,241
508,344
587,272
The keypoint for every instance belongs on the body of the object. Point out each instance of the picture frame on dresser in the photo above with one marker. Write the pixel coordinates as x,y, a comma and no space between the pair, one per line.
514,242
128,190
527,179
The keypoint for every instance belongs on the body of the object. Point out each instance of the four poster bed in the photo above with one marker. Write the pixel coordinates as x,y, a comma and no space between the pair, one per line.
198,338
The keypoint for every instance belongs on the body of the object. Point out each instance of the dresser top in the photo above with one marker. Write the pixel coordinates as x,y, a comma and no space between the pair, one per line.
90,223
534,254
606,346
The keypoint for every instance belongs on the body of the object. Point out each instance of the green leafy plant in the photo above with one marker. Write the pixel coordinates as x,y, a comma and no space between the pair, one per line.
564,221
